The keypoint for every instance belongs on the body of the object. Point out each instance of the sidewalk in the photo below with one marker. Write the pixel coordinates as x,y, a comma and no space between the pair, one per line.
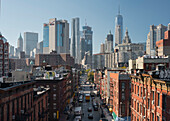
105,110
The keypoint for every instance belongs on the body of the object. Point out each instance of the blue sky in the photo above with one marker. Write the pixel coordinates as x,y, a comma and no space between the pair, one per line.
29,15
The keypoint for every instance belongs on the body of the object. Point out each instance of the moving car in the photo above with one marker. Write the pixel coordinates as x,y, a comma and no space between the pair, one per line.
89,109
95,108
90,116
77,118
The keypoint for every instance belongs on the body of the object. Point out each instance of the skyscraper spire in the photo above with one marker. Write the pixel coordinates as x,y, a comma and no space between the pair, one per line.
119,10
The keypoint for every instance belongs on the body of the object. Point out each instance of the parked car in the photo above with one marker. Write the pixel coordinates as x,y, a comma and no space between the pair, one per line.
95,108
77,118
89,109
90,116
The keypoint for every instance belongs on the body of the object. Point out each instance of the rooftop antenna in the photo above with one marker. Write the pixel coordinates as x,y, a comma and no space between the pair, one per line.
119,10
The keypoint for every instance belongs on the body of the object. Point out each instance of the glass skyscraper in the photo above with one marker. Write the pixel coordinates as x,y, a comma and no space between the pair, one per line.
118,29
75,40
46,35
87,35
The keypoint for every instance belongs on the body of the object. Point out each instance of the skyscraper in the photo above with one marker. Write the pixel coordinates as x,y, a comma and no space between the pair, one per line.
109,43
20,43
156,33
58,36
30,41
87,34
75,40
40,47
45,38
118,29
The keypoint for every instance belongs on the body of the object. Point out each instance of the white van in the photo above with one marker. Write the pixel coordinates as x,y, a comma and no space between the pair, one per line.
77,111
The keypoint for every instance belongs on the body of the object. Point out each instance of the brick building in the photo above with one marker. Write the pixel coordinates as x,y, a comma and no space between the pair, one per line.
163,45
54,59
120,96
4,56
150,96
62,89
20,102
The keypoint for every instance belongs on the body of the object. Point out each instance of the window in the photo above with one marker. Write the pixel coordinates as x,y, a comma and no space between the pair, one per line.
158,99
25,103
138,107
147,66
164,102
152,116
141,109
123,85
54,96
123,108
17,106
54,105
144,110
54,115
141,91
123,96
153,94
157,118
148,103
138,90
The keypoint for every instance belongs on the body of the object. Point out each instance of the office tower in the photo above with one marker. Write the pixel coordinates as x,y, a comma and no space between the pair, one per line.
87,34
4,56
102,48
160,31
109,43
58,36
11,50
118,29
45,38
75,40
20,43
40,47
30,41
155,34
82,48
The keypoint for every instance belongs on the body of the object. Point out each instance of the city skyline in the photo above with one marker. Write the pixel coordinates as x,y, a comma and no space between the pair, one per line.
15,16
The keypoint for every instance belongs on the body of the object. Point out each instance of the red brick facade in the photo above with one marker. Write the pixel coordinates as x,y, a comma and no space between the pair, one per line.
4,57
19,103
149,99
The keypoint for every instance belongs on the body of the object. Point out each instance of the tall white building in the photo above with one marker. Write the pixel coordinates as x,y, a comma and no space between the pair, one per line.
20,43
155,34
11,50
40,47
75,40
118,29
30,41
109,43
58,36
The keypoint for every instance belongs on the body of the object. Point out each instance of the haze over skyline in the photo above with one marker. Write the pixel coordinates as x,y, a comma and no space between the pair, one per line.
22,16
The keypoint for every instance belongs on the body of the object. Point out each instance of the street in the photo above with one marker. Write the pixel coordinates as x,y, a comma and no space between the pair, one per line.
86,88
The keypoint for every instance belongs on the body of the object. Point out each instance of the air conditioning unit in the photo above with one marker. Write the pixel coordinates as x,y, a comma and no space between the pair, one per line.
144,97
123,90
13,116
143,116
153,102
22,111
